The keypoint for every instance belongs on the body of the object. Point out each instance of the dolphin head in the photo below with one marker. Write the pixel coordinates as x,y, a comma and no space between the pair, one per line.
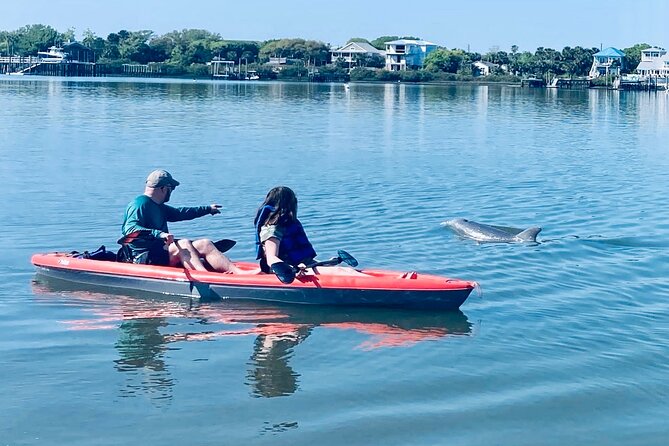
454,222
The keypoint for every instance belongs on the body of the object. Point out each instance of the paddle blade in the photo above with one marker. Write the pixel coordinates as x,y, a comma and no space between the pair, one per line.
347,258
284,272
224,244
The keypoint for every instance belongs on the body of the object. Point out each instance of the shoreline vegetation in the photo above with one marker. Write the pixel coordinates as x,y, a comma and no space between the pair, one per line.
189,53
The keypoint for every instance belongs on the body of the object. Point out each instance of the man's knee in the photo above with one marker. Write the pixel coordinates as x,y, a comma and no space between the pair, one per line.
180,245
204,245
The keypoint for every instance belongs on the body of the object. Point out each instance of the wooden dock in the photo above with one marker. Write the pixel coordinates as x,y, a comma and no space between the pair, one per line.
643,84
40,66
570,84
139,70
532,83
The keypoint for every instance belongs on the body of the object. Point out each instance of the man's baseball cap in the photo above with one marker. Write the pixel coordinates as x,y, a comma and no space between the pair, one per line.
160,178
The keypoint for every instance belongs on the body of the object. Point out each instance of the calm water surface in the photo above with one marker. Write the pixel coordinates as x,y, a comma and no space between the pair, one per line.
567,346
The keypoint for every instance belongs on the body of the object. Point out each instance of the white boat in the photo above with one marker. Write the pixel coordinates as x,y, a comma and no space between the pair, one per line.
252,75
54,55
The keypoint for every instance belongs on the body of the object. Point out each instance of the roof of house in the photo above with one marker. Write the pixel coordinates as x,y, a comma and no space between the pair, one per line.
609,52
410,42
655,64
654,50
357,47
75,45
487,64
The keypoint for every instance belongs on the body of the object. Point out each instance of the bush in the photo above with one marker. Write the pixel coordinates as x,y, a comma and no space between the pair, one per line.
499,78
363,74
266,72
198,70
387,76
602,81
172,70
293,72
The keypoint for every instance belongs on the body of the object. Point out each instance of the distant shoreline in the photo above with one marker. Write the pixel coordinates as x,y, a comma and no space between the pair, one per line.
287,80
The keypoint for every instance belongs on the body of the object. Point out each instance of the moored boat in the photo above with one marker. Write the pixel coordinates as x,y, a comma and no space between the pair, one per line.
369,288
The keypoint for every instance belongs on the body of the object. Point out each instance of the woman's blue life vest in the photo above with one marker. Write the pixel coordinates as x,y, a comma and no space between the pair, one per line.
294,248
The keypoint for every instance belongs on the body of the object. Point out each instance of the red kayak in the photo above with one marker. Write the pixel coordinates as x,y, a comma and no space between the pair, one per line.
341,286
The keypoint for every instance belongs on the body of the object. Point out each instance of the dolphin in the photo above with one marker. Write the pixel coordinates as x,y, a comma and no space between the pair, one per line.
489,233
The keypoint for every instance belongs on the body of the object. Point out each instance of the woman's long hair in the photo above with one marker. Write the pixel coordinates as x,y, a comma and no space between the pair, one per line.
279,208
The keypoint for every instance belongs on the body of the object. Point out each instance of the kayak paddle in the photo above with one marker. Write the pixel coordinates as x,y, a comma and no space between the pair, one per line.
224,244
286,272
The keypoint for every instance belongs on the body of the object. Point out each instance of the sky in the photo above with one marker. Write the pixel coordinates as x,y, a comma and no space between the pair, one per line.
467,24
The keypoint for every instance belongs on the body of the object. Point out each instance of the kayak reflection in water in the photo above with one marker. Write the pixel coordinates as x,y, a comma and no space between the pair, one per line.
146,237
148,326
280,237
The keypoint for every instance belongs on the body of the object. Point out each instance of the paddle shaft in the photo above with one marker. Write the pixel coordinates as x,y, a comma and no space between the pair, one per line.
286,272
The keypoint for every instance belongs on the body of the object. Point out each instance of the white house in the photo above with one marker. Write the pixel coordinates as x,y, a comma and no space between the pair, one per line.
654,62
351,52
607,61
277,63
404,53
484,68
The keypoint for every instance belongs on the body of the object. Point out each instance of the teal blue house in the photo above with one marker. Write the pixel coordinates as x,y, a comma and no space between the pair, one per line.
607,61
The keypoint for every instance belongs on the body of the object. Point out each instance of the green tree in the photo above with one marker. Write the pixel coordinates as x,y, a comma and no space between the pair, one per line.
235,49
577,61
5,42
633,56
523,64
30,39
95,43
68,36
359,40
498,57
163,47
548,61
308,51
441,59
190,46
135,47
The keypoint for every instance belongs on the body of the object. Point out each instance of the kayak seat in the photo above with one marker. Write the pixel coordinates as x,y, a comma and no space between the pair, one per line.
99,254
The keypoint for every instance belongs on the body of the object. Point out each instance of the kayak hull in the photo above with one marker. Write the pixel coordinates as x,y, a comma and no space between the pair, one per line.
361,289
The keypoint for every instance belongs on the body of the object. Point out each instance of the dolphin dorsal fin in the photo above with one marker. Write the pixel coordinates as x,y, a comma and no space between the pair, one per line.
529,234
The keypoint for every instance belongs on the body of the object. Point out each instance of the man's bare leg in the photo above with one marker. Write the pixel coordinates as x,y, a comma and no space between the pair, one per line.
183,251
214,257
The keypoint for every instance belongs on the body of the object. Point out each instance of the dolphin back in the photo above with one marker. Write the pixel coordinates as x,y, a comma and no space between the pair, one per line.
529,234
488,233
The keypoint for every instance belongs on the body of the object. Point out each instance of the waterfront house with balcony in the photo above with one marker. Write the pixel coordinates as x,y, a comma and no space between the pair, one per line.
654,63
353,52
608,61
404,53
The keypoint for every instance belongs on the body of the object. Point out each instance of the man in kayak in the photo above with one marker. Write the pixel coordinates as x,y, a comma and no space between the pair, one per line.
147,239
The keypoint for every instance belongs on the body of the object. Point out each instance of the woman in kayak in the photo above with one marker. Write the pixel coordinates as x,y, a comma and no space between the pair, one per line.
281,240
280,236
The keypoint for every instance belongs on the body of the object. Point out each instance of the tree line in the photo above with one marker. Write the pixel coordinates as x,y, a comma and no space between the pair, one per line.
187,51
